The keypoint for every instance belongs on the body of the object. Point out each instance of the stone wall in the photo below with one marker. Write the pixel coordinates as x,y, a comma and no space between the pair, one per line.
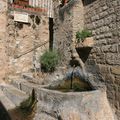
65,26
3,22
103,18
78,18
23,43
62,35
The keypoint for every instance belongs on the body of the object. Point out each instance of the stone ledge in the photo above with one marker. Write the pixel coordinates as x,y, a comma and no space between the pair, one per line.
115,70
9,105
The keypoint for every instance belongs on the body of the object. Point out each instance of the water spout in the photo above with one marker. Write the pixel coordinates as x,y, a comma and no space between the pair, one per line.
72,77
75,57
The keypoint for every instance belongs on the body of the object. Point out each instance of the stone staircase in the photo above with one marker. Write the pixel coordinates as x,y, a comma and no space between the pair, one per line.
18,90
24,84
13,94
8,104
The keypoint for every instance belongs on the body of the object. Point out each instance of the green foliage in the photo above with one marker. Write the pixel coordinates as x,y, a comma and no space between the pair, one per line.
49,60
81,35
26,107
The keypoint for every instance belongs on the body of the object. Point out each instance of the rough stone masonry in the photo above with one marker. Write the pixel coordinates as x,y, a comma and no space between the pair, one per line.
18,38
3,23
103,18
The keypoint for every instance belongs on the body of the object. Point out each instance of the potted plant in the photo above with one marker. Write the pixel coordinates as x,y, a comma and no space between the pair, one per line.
84,39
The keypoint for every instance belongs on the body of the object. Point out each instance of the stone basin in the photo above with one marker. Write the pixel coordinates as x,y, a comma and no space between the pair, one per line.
88,105
76,85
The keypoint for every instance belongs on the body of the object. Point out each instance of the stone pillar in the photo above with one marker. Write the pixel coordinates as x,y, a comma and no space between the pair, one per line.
68,19
3,23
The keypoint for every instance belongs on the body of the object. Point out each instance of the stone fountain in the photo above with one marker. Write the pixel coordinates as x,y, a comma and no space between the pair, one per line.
57,102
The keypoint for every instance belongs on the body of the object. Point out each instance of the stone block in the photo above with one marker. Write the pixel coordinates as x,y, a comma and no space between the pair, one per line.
14,94
104,69
111,91
110,48
96,17
9,105
100,58
113,59
119,48
91,62
111,41
117,80
109,19
103,14
111,10
115,70
3,4
118,114
3,23
115,3
105,7
109,78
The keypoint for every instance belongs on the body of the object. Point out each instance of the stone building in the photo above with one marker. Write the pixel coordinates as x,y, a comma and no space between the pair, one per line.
24,35
20,41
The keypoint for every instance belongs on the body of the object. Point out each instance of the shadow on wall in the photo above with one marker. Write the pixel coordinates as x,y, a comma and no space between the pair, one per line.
84,53
87,2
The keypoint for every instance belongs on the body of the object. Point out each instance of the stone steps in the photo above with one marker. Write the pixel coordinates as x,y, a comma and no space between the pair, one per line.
17,83
25,83
13,94
27,76
7,103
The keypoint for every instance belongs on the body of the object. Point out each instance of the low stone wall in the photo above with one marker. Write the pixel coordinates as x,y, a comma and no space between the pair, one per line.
103,18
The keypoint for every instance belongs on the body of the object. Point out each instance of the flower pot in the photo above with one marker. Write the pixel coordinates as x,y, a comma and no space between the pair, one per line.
88,42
